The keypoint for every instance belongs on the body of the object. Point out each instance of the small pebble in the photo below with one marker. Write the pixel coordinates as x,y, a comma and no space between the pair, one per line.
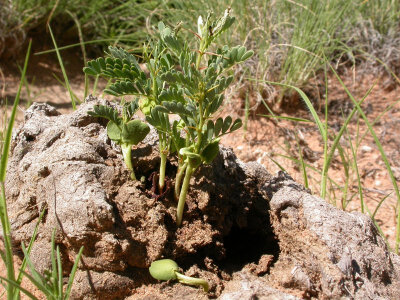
366,149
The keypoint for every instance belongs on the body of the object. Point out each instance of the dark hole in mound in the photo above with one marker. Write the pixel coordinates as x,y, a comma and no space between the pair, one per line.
244,246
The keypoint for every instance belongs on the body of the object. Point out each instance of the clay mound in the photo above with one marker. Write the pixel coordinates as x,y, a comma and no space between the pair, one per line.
294,245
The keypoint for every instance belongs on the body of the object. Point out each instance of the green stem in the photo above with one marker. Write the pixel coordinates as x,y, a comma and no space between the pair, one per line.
5,223
192,281
201,52
96,81
126,152
198,60
200,127
161,181
182,195
178,179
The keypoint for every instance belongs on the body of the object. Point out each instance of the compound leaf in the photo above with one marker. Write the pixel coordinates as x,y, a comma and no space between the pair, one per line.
158,118
131,108
172,94
120,88
176,108
106,112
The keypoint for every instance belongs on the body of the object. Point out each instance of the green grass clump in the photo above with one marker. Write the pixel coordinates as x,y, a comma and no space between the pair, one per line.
51,283
332,142
290,37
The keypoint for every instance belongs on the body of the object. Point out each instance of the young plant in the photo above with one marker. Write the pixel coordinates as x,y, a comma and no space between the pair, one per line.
122,129
195,93
167,269
178,83
128,78
51,283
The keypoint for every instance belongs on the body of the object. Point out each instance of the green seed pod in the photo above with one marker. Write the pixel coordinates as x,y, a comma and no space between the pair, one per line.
163,269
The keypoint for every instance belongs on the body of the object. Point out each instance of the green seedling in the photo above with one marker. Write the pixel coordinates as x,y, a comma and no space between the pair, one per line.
51,282
167,269
195,93
122,129
128,78
179,82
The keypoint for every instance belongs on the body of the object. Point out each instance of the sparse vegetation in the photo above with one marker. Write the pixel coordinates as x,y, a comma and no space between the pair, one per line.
177,84
296,43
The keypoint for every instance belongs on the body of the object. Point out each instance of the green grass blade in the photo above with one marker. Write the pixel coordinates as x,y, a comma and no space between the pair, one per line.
39,285
72,274
96,81
35,277
268,108
5,222
383,154
307,102
7,137
65,86
63,70
277,164
246,112
359,185
32,240
302,164
3,256
379,205
16,285
83,49
59,274
325,166
345,165
87,43
377,119
54,268
379,229
328,159
286,118
311,167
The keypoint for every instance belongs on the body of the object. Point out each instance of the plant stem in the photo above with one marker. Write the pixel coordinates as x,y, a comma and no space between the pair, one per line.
126,152
182,195
161,180
198,60
5,223
96,81
178,179
200,55
192,281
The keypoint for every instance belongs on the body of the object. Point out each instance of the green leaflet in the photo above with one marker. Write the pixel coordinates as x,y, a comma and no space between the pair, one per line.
210,152
114,132
106,112
134,132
